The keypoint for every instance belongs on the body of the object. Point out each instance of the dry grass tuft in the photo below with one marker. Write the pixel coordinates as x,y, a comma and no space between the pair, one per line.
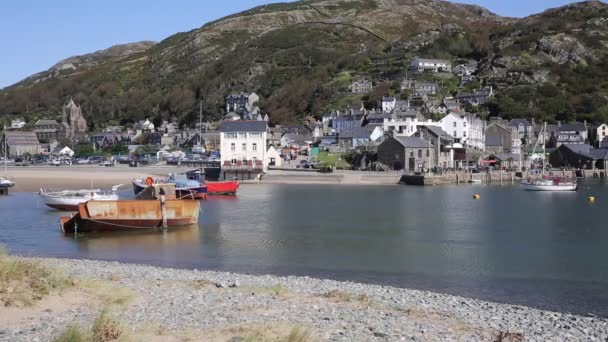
108,293
73,334
105,329
267,334
114,277
340,296
279,290
201,284
23,283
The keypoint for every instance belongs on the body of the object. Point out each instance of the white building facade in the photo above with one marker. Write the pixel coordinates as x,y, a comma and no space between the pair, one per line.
243,145
406,127
468,129
431,65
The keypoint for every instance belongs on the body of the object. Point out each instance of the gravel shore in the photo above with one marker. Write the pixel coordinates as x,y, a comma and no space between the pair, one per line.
205,303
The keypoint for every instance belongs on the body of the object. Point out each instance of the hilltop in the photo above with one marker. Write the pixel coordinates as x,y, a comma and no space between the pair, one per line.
300,58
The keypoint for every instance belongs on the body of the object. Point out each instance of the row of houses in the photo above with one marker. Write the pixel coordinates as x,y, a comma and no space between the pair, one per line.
465,71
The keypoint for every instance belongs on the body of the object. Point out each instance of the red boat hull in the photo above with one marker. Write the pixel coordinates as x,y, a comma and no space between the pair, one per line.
222,188
63,207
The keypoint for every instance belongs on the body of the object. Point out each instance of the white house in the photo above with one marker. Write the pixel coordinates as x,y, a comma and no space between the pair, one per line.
602,133
456,126
388,104
433,65
18,123
243,145
467,128
273,157
405,126
66,151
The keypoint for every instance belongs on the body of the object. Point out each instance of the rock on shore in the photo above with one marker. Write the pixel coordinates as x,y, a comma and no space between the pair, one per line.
206,303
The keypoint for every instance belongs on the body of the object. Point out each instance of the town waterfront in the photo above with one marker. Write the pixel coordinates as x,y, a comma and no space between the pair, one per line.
545,250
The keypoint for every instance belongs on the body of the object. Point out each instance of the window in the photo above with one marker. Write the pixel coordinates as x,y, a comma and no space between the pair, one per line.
411,154
255,135
455,124
428,153
230,135
455,134
242,135
419,153
254,147
464,134
244,147
233,147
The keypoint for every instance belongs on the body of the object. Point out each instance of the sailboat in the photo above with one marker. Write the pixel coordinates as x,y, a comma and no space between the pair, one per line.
547,183
69,200
5,183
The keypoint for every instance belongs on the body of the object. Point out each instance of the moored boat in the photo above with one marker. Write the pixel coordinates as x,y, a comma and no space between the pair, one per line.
6,183
184,188
546,183
129,215
549,184
215,187
69,200
222,188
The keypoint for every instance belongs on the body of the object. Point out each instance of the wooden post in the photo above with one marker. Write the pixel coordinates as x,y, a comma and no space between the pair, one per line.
163,208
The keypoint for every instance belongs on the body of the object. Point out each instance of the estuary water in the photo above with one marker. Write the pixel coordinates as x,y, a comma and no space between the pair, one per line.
547,250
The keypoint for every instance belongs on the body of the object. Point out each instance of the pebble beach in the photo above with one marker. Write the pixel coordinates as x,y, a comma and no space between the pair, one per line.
200,305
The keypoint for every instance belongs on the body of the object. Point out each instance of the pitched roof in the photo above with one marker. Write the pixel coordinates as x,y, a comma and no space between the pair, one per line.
438,131
46,122
357,132
572,127
413,142
300,138
517,122
21,138
243,126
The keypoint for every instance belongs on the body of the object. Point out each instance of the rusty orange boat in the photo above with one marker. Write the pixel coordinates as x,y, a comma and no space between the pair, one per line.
107,216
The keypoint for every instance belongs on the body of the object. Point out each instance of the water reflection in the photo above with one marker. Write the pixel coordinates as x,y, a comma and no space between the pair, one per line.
542,249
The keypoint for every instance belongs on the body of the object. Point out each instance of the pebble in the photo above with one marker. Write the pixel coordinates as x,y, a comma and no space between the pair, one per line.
386,313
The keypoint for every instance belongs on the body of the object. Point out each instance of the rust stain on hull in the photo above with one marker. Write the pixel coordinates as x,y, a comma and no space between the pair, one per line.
97,216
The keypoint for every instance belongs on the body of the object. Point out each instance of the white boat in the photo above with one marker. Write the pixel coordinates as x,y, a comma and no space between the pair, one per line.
6,183
547,183
68,200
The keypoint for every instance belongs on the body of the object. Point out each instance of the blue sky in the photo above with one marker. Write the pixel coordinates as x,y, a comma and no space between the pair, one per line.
35,34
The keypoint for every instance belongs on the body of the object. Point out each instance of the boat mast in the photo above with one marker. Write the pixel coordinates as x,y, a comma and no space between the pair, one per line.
200,123
544,148
4,136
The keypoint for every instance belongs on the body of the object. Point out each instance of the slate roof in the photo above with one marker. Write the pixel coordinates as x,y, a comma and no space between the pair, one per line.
517,122
299,138
571,128
243,126
21,139
46,122
438,131
412,142
588,151
357,132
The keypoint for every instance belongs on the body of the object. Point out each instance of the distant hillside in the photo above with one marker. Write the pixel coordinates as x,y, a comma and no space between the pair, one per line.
300,57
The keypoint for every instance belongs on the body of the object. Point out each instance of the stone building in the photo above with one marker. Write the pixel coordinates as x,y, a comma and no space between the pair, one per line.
76,123
411,154
50,130
20,143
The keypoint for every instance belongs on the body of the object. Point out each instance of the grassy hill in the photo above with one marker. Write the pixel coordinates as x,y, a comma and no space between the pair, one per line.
300,57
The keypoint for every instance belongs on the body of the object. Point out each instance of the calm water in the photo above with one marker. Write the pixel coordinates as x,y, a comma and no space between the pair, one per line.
548,250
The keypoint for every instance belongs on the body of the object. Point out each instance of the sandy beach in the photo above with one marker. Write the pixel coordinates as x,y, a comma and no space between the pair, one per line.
32,178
